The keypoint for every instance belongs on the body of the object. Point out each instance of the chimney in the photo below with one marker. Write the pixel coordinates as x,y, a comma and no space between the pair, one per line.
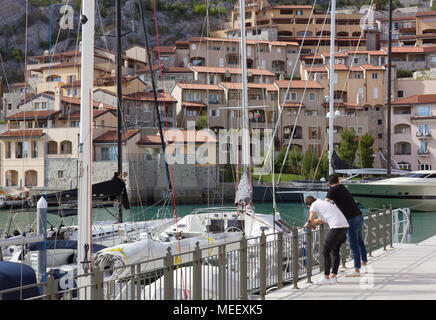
100,106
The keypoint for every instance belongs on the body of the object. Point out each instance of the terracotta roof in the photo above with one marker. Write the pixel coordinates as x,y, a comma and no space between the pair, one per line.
292,7
293,105
19,85
41,114
316,69
341,54
426,13
238,86
397,18
176,70
165,49
356,69
298,84
75,115
149,97
198,86
76,101
22,134
346,105
112,136
371,67
232,70
279,43
412,49
370,52
416,99
338,67
149,139
193,104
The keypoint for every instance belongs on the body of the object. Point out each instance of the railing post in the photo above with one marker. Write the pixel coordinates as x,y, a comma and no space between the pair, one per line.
196,277
222,273
384,228
168,276
377,230
280,259
295,256
309,254
321,244
369,238
97,287
50,288
391,226
243,269
138,281
262,247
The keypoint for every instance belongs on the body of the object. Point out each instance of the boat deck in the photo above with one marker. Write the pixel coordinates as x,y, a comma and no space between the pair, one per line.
405,272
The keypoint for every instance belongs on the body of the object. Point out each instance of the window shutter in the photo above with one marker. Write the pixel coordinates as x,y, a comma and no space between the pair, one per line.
319,133
319,150
310,133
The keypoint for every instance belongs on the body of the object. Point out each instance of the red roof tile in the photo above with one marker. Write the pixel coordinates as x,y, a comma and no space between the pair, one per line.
198,86
112,136
149,96
416,99
33,115
298,84
193,104
238,86
372,68
22,134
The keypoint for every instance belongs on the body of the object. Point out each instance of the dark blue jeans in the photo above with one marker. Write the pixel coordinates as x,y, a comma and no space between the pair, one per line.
356,242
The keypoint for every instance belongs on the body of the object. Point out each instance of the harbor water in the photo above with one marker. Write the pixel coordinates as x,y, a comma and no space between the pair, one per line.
423,223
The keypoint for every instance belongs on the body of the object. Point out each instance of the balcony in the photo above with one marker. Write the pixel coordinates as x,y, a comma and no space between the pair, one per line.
423,153
423,135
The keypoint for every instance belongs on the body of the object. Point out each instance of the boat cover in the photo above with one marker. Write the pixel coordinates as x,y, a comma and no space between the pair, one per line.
13,275
61,244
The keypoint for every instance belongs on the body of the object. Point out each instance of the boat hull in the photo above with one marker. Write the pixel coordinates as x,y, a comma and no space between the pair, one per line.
417,197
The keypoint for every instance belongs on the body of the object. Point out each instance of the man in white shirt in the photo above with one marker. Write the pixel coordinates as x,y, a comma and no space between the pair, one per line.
330,214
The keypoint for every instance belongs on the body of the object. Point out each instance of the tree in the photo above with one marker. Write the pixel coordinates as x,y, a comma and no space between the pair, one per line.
202,122
313,167
348,146
295,156
366,160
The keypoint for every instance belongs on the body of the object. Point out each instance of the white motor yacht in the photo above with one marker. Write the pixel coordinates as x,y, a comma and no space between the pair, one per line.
416,191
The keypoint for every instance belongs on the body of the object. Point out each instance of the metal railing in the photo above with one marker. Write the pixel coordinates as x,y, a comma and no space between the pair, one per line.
231,271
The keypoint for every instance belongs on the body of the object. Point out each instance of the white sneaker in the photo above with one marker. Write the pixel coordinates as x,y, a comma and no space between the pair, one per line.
333,280
353,274
364,269
323,281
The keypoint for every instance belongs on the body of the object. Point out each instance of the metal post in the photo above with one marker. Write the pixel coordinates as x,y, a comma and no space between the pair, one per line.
309,254
321,244
132,282
97,287
369,237
280,259
138,281
168,276
384,228
262,247
40,227
222,273
390,225
50,288
295,256
243,269
196,279
377,230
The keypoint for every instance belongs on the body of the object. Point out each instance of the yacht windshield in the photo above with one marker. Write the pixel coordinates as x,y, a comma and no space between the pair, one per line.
418,175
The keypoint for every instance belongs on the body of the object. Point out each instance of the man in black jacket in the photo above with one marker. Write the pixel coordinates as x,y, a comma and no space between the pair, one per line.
343,199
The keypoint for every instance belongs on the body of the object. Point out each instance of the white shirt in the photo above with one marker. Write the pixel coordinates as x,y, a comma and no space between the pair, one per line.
329,213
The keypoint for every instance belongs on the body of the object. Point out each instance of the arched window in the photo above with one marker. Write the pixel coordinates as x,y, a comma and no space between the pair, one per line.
52,147
66,147
11,178
30,178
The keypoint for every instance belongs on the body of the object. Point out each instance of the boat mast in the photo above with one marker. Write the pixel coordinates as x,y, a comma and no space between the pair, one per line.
156,105
388,130
120,101
332,76
244,186
84,204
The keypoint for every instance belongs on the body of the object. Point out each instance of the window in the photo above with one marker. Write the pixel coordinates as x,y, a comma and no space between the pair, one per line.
423,111
314,148
292,96
197,62
69,92
36,105
312,96
8,150
233,95
380,136
375,93
311,113
108,153
424,129
76,92
359,130
374,76
197,96
356,60
377,108
70,78
400,93
34,149
75,123
9,106
19,150
314,133
191,113
213,98
232,114
423,147
299,13
273,96
214,113
379,121
290,112
357,75
43,105
60,174
404,166
29,124
422,166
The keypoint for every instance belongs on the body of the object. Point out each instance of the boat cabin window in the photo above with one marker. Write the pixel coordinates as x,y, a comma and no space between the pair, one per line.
433,175
235,224
216,226
418,175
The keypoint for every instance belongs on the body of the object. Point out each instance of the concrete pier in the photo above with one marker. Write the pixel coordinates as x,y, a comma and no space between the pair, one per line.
404,272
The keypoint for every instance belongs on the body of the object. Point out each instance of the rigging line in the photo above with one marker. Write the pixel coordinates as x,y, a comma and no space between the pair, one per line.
302,98
287,90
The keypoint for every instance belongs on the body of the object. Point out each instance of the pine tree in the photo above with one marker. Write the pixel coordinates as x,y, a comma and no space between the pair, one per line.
366,159
348,146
